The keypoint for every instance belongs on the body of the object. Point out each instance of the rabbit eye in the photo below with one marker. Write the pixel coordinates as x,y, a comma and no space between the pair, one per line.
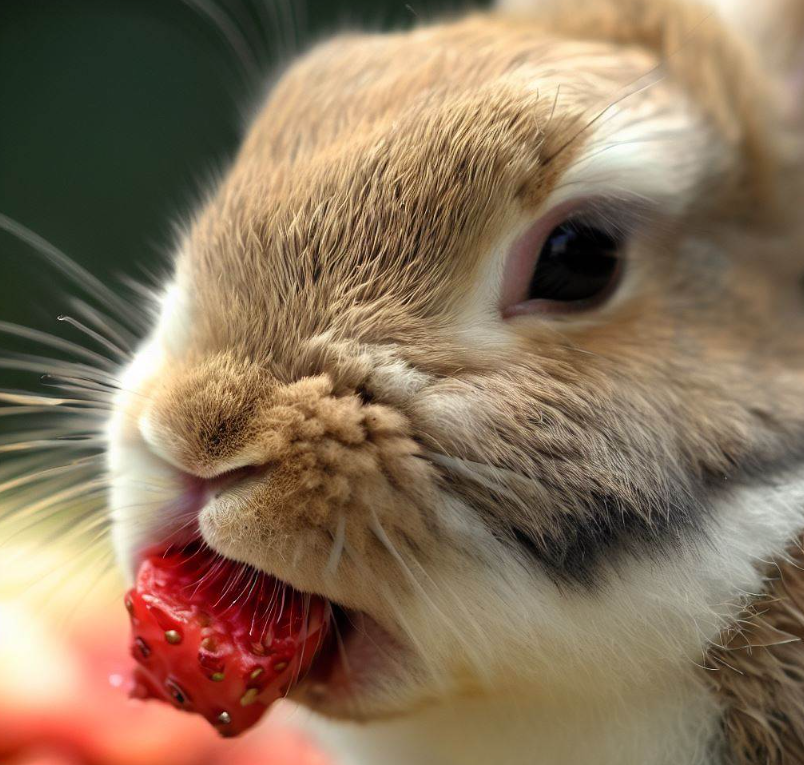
577,262
574,268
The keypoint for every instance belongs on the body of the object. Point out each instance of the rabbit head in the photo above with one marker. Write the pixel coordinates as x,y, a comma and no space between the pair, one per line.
492,335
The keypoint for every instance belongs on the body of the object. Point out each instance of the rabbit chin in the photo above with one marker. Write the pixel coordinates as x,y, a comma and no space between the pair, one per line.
363,674
654,708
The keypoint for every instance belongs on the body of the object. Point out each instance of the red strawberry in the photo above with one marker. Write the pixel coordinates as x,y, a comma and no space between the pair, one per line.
219,638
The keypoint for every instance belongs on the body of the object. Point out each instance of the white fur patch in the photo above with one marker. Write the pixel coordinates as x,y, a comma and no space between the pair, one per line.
174,319
605,679
643,154
141,484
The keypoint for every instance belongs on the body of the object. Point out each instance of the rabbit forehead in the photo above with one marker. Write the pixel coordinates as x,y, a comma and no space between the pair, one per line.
381,174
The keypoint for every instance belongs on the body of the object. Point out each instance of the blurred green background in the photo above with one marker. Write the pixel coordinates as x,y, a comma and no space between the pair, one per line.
116,114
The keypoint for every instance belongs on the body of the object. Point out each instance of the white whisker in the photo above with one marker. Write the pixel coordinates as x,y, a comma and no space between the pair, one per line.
45,338
96,336
232,35
30,399
104,324
79,275
337,546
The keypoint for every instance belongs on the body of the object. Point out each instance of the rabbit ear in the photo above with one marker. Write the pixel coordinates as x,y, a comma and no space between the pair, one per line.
775,28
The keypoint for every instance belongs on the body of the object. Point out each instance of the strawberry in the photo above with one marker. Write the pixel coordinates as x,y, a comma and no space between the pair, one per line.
219,638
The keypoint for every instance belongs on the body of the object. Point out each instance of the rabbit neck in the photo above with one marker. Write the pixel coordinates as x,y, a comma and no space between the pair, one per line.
653,726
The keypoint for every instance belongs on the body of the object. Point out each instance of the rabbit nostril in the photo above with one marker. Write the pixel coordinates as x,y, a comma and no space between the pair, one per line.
365,396
224,481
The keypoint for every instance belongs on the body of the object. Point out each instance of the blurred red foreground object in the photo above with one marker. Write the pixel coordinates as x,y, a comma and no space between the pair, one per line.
65,703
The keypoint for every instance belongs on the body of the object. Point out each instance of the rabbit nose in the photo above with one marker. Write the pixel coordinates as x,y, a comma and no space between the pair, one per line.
203,418
303,452
201,457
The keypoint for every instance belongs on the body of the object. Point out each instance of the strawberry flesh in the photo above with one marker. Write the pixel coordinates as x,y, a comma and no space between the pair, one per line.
219,638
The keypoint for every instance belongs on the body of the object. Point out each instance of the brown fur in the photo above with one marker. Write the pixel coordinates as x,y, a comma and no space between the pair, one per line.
349,237
758,673
695,49
323,453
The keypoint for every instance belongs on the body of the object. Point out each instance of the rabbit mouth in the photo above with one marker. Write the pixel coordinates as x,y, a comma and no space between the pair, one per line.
357,659
341,654
357,655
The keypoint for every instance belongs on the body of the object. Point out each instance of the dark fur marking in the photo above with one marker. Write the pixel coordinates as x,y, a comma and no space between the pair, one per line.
574,554
607,528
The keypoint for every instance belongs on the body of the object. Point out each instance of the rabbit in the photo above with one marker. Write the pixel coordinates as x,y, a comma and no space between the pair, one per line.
492,335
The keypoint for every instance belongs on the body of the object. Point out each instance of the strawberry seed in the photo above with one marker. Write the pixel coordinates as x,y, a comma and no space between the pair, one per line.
209,644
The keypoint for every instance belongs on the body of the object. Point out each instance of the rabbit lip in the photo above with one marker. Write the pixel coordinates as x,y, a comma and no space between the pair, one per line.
356,650
180,514
356,654
359,653
212,488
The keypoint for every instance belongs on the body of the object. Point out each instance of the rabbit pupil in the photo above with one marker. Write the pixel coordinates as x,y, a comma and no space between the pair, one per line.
577,262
